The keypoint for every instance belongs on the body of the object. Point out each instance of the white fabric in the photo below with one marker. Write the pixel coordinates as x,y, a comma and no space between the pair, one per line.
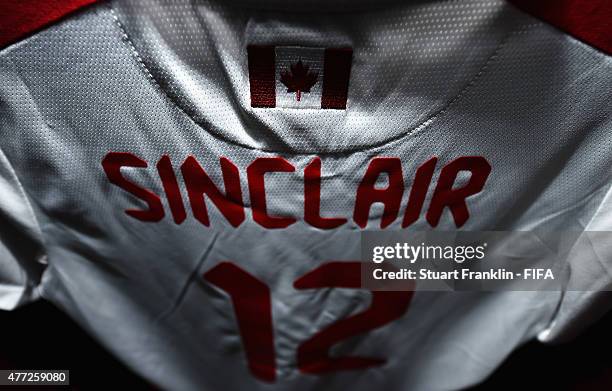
444,79
21,248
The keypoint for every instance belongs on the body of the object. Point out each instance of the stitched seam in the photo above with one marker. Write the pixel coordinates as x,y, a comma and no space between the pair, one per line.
348,151
552,322
127,39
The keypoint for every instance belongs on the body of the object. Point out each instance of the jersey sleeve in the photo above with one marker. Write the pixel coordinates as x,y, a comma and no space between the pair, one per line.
588,292
22,255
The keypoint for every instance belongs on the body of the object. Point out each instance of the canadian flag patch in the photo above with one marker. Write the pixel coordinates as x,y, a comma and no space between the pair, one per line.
299,77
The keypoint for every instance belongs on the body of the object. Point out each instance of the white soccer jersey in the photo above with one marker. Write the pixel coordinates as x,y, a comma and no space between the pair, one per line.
189,181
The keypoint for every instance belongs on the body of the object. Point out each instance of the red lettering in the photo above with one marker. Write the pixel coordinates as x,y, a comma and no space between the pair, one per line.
199,183
445,195
387,306
171,187
420,185
230,203
257,190
112,164
253,309
391,196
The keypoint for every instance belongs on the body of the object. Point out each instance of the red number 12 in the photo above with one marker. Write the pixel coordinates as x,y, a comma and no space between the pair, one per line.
252,305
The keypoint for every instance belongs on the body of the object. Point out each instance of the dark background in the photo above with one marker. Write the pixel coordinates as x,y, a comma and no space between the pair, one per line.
39,336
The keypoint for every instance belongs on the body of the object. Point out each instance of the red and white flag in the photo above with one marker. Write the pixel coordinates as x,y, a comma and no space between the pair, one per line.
299,77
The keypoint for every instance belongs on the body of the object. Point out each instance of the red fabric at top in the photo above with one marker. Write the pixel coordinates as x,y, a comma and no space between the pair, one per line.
20,18
588,20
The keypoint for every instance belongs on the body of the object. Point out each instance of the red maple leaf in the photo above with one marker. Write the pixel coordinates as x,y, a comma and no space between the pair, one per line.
299,79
